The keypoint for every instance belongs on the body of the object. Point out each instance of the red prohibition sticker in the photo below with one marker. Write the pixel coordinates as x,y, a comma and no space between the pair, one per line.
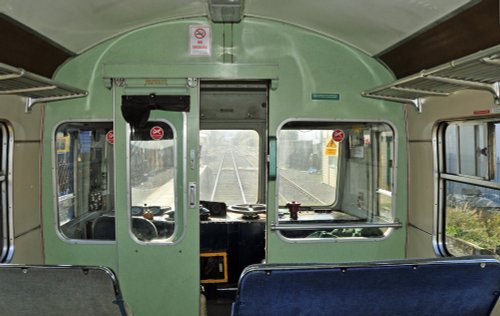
200,33
338,135
156,132
110,137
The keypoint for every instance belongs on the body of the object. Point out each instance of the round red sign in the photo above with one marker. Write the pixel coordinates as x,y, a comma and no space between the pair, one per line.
110,137
156,132
338,135
200,33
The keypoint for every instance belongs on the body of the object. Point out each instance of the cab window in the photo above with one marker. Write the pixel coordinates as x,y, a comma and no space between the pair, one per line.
333,173
84,173
469,188
229,166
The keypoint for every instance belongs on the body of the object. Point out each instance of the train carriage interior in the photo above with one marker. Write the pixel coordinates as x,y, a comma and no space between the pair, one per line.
250,157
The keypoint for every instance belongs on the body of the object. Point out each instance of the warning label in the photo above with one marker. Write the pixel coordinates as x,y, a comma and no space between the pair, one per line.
331,148
200,40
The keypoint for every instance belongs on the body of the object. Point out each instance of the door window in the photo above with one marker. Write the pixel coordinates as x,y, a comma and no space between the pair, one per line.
152,182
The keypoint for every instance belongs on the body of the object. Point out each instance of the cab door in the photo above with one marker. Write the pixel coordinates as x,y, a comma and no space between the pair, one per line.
156,143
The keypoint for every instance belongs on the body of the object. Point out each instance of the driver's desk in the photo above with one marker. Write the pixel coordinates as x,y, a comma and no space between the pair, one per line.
242,239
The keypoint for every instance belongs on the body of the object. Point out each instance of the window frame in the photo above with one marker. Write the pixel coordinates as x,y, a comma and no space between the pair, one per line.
55,177
261,149
6,167
260,129
395,224
174,237
441,176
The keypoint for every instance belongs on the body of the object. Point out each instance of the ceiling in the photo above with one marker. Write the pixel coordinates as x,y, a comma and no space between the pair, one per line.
371,26
405,35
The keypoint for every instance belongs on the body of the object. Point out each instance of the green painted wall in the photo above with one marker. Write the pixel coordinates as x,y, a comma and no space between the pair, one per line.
302,61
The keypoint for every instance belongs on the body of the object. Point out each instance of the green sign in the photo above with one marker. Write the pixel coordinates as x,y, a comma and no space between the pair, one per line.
326,96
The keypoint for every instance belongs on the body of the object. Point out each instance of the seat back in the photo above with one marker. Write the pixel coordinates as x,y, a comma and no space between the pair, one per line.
468,286
59,290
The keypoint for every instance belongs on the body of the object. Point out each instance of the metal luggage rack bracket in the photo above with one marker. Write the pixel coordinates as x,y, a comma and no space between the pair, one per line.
479,71
34,88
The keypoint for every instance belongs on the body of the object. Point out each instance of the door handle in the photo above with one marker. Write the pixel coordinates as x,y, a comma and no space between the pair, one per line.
192,194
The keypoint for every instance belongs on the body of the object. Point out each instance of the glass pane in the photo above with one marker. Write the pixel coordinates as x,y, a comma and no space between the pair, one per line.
229,166
451,149
466,150
84,162
305,173
331,172
467,141
472,219
152,180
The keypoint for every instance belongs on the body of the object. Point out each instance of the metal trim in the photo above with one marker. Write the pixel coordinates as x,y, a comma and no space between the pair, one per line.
377,264
284,227
473,181
7,251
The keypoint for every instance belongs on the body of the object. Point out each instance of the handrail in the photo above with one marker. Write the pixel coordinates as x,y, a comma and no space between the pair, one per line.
283,227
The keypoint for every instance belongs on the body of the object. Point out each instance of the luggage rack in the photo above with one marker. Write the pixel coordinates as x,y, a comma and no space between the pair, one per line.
33,87
479,71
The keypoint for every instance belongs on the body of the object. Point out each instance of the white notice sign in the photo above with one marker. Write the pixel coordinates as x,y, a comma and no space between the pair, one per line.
200,40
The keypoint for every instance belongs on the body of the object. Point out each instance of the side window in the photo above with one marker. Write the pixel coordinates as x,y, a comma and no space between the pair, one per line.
470,188
335,180
152,182
84,173
5,194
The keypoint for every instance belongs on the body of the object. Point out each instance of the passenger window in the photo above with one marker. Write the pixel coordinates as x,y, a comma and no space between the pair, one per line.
152,181
470,190
6,230
84,173
335,179
229,166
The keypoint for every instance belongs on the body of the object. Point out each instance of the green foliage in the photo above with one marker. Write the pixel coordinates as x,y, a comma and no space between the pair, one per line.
478,227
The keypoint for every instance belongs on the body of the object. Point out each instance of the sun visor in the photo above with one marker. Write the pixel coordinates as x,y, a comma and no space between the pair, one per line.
136,108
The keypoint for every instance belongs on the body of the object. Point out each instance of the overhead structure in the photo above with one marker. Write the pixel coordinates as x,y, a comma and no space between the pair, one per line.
87,23
34,88
479,71
226,11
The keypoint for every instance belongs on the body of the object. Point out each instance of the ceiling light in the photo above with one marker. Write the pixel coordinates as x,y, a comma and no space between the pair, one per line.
228,11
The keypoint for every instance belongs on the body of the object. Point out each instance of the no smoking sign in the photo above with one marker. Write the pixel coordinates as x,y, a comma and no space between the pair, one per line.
200,33
338,135
200,41
156,132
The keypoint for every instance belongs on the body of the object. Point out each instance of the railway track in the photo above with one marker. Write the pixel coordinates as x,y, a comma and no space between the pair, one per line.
236,179
291,191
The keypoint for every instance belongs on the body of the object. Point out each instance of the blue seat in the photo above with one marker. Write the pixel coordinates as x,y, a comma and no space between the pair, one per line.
450,286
